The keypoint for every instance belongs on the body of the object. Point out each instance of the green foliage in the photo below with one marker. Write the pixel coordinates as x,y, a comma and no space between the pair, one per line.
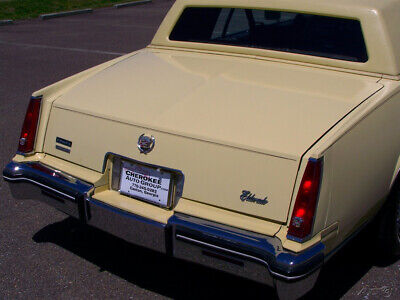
25,9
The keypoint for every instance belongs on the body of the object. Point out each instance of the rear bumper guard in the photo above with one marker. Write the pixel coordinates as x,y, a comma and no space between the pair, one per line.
247,254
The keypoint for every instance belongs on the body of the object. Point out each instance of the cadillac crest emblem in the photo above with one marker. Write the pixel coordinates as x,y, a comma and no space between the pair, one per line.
146,143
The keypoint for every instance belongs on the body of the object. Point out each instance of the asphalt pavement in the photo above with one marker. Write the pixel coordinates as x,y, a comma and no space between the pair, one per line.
45,254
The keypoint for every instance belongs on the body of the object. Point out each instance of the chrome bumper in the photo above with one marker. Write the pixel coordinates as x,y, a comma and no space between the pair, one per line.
33,180
247,254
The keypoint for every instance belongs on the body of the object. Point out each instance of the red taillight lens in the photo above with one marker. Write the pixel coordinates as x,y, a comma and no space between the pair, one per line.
306,201
28,133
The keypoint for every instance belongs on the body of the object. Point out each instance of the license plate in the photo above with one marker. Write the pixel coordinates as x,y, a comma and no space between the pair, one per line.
145,183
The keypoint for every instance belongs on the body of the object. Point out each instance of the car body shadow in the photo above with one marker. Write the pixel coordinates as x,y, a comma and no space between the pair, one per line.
181,280
186,280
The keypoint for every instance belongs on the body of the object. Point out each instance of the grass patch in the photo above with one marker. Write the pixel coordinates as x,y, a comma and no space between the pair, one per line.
26,9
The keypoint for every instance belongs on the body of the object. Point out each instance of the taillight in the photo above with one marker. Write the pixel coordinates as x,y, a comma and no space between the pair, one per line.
28,132
306,201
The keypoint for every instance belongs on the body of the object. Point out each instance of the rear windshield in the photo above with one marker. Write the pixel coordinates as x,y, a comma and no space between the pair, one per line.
308,34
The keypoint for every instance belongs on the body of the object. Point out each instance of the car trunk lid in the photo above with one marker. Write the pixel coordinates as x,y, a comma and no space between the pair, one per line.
229,124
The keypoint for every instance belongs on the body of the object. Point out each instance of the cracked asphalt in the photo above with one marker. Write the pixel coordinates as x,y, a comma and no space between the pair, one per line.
45,254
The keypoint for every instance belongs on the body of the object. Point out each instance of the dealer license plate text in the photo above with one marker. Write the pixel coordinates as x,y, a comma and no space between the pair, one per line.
145,183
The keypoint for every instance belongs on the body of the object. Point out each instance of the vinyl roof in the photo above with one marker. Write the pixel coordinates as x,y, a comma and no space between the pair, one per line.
380,22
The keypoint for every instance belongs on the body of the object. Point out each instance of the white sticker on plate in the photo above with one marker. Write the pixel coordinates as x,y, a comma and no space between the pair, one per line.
145,183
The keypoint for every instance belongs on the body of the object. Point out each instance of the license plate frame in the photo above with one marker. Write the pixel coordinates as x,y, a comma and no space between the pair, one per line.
121,164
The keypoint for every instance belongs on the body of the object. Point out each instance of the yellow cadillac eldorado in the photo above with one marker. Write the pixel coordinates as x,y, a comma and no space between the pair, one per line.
254,137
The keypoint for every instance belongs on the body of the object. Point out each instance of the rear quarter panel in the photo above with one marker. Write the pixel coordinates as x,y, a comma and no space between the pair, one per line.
359,165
